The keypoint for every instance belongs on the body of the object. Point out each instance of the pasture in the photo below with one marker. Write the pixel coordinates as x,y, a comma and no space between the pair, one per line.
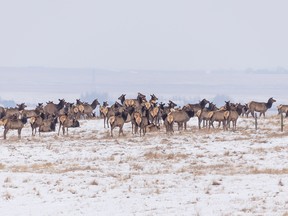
193,172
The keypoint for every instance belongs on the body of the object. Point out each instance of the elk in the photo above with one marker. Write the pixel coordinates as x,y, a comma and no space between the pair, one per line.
198,106
43,124
260,107
202,114
15,111
37,111
217,116
132,102
182,116
2,112
118,120
168,122
232,114
67,121
88,108
51,109
282,109
104,109
13,123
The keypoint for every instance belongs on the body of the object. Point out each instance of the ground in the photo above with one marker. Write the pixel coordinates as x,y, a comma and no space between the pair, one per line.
193,172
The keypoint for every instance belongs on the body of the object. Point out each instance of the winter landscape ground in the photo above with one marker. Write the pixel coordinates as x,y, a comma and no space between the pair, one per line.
193,172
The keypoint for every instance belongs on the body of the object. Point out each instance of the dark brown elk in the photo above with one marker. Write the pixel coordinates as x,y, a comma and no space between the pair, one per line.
51,109
15,111
66,121
118,120
132,102
260,107
13,123
2,112
282,109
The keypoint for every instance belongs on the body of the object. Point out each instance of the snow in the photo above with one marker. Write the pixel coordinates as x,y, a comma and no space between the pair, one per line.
193,172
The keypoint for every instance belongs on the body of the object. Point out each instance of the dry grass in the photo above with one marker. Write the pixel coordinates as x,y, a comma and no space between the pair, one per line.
2,166
161,156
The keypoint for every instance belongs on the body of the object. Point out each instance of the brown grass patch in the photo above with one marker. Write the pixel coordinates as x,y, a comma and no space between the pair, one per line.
2,166
160,156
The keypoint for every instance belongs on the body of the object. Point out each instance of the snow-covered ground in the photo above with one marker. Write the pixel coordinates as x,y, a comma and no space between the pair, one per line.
193,172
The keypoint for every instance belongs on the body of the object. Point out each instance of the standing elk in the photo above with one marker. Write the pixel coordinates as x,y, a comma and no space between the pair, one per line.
13,123
67,121
118,120
260,107
51,109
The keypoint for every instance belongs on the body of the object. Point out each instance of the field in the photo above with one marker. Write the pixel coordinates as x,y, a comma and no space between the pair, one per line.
193,172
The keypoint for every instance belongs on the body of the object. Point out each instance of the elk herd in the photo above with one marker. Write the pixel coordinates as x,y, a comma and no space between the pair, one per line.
143,114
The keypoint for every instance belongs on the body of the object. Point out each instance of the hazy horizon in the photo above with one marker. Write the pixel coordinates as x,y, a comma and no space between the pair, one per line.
39,84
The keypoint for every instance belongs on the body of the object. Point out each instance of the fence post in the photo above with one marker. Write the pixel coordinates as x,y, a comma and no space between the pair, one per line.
256,126
282,122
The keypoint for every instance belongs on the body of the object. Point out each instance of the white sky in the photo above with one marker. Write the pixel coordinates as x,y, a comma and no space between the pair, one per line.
150,34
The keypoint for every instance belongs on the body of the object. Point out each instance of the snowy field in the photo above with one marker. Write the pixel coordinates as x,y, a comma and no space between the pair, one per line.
194,172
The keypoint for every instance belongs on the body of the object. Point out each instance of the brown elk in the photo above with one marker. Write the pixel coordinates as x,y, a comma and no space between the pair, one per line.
67,121
198,106
51,109
203,114
15,111
168,122
13,123
104,109
182,117
118,120
282,109
260,107
43,124
132,102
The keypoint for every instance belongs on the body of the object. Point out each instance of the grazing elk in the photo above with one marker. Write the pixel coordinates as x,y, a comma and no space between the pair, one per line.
118,120
13,123
260,107
67,121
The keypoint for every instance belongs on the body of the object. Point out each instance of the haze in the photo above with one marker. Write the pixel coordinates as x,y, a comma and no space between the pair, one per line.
58,44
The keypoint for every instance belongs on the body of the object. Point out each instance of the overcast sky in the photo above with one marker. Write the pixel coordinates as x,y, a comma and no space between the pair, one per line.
147,34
